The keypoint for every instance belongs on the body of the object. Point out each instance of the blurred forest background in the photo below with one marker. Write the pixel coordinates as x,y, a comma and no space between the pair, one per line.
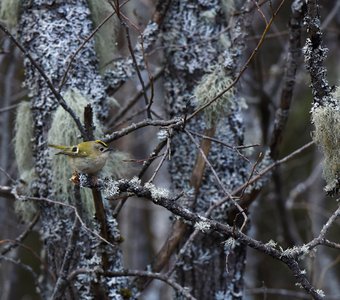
290,208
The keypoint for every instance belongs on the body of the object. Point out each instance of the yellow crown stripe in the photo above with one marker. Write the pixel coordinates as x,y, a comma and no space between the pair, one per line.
102,143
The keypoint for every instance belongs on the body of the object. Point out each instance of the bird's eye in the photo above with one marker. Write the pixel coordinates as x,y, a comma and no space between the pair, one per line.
74,149
101,149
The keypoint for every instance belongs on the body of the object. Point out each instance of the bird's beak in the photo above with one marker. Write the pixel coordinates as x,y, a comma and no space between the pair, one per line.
108,150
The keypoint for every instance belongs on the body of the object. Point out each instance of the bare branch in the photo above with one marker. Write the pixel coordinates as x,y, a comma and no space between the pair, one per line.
28,269
315,55
61,283
288,256
245,218
174,123
124,273
22,236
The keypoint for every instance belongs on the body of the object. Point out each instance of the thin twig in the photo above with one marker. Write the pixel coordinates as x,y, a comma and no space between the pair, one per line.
235,148
147,163
331,244
31,251
277,292
333,13
154,154
193,235
27,268
22,236
10,107
128,38
322,236
253,170
131,117
61,283
245,218
182,251
151,80
301,187
7,175
73,56
121,113
262,173
261,12
54,202
165,154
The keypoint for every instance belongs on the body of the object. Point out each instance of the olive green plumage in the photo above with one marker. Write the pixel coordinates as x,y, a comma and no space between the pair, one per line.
87,157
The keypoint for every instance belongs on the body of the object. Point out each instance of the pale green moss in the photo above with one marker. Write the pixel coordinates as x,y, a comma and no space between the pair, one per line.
22,140
24,158
9,12
26,209
228,6
327,135
208,88
106,37
63,128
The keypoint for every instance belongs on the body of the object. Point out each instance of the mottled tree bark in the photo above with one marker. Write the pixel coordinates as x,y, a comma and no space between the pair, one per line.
197,43
51,31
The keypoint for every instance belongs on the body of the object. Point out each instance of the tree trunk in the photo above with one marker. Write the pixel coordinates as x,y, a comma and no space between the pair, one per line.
51,31
199,50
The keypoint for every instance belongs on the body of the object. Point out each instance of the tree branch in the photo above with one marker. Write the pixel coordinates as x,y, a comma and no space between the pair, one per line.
124,273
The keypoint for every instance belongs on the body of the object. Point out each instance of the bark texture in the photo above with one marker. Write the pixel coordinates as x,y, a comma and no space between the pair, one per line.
51,31
197,45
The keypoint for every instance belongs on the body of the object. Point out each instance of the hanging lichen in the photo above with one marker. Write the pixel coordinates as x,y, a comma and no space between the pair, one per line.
106,36
327,135
9,12
212,85
24,159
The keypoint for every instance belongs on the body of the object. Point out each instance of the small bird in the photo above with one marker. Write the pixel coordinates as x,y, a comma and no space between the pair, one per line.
87,157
